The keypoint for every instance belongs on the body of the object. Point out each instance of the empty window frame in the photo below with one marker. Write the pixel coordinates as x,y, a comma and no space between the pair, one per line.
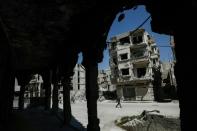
138,53
141,72
137,39
114,61
124,56
154,61
125,71
125,40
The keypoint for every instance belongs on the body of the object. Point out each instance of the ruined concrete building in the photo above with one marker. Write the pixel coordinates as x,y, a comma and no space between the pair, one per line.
168,84
78,82
33,89
78,79
33,36
167,69
106,88
132,56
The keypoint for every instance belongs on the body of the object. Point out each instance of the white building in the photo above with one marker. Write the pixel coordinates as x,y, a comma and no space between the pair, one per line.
78,79
132,57
104,81
78,83
34,89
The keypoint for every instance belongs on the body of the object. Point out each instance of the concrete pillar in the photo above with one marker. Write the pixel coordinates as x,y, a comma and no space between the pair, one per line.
55,93
185,71
6,82
55,97
66,100
6,97
91,93
47,86
21,97
23,79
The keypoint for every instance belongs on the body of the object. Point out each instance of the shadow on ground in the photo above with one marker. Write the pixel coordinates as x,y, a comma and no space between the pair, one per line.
37,119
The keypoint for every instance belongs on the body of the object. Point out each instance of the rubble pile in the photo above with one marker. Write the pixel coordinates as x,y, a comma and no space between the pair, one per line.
78,96
149,121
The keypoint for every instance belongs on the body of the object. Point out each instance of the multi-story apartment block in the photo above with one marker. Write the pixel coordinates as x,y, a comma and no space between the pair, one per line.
132,56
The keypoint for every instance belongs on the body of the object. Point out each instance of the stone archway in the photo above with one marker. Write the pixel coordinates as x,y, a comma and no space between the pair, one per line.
77,19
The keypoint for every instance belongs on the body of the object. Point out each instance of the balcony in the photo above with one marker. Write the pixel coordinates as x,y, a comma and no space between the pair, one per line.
141,79
121,47
133,80
140,59
123,61
139,45
154,56
124,79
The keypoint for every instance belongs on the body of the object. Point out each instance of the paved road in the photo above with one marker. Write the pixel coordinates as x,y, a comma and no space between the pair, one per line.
108,113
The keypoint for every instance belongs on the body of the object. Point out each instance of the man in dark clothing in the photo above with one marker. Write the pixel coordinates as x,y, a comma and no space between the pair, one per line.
118,103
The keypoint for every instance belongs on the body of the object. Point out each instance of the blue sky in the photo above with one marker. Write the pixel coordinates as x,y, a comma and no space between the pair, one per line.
133,18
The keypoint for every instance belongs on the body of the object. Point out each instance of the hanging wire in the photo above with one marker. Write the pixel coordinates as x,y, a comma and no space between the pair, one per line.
141,24
137,27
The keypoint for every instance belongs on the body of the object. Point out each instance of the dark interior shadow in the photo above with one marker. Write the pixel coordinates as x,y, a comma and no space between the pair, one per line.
74,123
38,119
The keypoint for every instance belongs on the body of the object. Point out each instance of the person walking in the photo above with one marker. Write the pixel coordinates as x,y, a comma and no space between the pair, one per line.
118,103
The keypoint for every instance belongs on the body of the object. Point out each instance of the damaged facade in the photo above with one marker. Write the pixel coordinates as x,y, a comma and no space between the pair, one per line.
78,79
78,83
106,88
132,56
168,84
34,88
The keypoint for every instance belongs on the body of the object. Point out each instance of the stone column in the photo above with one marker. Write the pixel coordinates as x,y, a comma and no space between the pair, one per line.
6,77
6,97
68,61
47,87
23,80
55,97
185,71
21,97
55,92
66,100
91,67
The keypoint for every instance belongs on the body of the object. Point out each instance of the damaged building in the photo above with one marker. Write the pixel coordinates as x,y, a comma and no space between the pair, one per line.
106,88
34,88
168,84
78,83
133,54
78,79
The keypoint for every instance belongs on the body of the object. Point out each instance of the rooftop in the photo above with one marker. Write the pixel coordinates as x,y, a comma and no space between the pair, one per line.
122,35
